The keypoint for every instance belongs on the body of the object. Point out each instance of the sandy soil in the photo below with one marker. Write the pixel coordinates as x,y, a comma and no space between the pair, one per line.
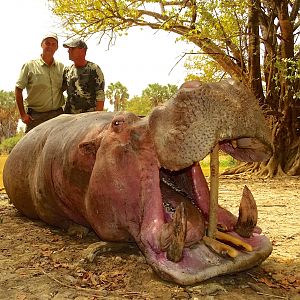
42,262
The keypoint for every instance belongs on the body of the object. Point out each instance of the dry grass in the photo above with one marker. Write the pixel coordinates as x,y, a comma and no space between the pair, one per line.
2,161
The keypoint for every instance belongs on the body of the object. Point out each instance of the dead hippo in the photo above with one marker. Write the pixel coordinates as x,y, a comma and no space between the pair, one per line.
138,179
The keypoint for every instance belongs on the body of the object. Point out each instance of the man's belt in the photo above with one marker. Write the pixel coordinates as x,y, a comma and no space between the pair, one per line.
32,111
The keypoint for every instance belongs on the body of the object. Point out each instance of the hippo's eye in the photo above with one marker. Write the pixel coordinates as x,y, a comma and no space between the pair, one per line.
118,125
118,122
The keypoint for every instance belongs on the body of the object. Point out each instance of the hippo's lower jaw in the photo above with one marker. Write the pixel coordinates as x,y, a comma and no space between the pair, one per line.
199,263
200,257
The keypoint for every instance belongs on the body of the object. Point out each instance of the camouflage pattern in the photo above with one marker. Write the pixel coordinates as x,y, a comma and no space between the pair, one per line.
84,87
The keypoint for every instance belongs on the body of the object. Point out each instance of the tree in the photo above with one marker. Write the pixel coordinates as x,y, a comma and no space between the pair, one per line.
158,94
8,115
252,41
153,95
203,68
117,95
140,106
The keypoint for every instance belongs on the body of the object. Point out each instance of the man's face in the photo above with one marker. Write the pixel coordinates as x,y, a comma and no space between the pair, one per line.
49,45
76,53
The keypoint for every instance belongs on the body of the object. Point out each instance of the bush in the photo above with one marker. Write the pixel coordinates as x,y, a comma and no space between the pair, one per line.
225,162
7,145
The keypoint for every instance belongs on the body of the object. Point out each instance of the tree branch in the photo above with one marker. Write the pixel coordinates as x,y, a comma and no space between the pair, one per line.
295,10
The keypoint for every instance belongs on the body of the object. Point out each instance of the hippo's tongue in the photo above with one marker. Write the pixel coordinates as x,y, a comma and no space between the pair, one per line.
247,213
177,233
190,186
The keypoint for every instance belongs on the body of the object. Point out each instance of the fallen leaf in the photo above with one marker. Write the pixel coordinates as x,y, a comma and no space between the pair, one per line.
267,282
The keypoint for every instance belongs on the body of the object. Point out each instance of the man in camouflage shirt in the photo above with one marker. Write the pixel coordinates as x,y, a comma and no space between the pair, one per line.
84,81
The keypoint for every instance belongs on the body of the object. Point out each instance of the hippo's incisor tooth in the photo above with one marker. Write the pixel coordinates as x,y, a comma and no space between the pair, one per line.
233,240
176,233
247,219
219,247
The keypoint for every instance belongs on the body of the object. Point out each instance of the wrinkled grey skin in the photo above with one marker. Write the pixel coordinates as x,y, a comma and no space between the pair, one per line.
198,118
102,171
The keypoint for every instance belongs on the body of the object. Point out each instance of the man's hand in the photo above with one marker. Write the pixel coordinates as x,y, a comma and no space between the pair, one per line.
26,119
99,105
19,99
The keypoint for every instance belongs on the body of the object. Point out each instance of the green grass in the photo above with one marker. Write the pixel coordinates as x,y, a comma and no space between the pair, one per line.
7,145
5,148
225,162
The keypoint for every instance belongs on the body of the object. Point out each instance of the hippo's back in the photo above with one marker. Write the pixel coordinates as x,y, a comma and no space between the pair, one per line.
27,171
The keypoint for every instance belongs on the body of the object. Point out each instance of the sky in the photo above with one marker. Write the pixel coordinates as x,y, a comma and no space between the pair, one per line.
136,60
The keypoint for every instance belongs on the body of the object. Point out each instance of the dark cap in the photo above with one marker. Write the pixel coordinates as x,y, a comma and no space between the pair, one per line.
77,43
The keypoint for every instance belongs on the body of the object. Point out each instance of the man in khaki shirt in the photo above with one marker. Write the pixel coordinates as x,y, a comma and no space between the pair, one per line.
42,79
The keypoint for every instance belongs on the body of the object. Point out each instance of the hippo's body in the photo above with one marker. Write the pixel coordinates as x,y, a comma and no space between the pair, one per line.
111,173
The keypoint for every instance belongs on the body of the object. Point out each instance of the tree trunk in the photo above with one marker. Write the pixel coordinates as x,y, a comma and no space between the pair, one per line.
281,107
254,51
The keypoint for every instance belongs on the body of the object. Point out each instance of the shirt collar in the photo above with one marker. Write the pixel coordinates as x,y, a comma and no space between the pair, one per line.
42,62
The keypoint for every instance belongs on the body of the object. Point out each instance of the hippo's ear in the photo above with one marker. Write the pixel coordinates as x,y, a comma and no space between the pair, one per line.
90,147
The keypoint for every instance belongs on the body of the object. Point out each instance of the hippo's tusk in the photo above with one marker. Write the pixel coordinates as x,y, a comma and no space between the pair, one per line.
214,190
233,240
234,144
178,228
219,247
248,215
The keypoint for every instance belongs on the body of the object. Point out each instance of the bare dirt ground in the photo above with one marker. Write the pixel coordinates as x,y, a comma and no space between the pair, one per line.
42,262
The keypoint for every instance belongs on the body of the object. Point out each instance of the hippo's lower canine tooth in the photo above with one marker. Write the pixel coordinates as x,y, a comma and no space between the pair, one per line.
247,219
178,224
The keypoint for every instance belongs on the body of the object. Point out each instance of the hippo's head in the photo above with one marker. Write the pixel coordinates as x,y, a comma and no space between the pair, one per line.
153,192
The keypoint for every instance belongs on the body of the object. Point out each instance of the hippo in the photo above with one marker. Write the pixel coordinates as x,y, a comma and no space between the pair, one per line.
138,179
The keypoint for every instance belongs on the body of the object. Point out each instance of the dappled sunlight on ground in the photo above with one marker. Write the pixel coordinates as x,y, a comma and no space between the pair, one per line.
38,261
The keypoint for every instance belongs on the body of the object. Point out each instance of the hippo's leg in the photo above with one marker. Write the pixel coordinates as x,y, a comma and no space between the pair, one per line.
97,248
77,230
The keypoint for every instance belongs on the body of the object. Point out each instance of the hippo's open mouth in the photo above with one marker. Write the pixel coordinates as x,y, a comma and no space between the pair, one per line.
188,255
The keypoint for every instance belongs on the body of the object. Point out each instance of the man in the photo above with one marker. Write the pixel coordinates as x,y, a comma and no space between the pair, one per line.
84,81
42,79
